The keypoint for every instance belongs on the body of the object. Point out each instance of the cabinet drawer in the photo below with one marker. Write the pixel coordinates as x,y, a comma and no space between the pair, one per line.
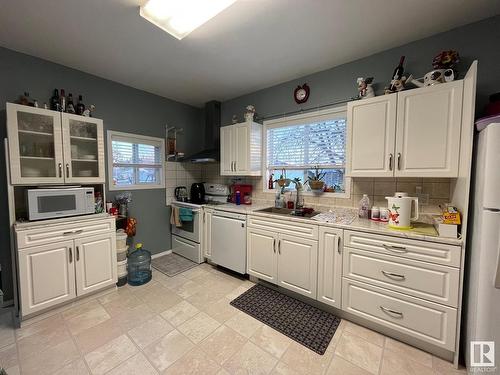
448,255
294,228
54,233
423,320
425,280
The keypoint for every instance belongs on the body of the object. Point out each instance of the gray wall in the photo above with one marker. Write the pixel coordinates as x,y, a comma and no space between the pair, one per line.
474,41
122,108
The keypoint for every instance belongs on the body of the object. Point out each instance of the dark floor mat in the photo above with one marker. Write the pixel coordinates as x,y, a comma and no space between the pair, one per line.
306,324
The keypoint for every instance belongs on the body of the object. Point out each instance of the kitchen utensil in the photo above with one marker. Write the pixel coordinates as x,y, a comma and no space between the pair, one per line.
402,210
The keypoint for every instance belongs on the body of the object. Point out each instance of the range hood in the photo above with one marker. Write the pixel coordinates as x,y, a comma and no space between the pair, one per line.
211,151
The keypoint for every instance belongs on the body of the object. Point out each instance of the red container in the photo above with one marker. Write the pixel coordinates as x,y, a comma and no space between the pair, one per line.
244,189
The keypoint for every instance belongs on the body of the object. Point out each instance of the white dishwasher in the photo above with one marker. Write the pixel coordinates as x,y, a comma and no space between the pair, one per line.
229,240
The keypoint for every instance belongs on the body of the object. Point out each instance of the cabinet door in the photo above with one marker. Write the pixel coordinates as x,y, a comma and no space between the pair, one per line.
207,233
330,266
242,151
35,148
429,122
95,260
46,276
83,142
226,150
298,264
371,130
261,254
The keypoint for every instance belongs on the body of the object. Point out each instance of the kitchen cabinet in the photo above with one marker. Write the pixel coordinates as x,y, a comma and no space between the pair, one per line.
240,149
298,264
50,147
95,262
60,262
283,259
46,276
330,266
413,133
207,232
371,133
261,254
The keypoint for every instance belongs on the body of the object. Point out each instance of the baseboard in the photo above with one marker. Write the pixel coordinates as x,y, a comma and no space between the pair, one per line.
161,254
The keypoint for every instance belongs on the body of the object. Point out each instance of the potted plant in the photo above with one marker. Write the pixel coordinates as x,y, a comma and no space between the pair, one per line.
316,182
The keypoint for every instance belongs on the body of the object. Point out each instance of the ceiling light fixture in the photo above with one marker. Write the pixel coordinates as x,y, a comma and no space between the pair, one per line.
180,17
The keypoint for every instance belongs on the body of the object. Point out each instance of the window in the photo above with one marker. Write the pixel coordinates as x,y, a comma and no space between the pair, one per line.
295,146
135,161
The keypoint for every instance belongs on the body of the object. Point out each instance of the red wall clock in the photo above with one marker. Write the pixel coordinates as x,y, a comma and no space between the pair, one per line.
301,93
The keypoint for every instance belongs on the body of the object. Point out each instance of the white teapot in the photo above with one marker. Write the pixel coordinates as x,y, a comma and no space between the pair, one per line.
402,210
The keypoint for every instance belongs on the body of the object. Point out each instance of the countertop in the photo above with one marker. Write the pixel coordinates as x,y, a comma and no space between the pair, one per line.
422,231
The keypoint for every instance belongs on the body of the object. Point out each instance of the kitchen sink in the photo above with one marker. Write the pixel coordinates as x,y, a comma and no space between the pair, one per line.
287,212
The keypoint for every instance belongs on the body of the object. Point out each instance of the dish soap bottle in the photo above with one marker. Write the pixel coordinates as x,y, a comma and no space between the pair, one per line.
364,205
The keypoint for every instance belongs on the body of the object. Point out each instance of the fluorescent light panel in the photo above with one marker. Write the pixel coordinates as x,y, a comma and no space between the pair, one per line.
180,17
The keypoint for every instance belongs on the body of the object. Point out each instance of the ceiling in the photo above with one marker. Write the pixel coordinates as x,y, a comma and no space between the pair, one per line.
251,45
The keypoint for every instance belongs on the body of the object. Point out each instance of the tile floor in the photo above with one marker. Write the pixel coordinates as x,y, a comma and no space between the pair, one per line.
185,325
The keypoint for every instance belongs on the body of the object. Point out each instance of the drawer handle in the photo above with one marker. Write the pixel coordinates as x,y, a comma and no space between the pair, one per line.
396,249
391,312
392,275
79,231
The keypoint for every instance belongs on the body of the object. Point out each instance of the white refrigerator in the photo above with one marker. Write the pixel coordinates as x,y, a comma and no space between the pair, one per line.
482,287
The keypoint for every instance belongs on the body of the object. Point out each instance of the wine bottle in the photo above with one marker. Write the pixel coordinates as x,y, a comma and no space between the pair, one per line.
80,107
54,101
398,73
70,107
62,101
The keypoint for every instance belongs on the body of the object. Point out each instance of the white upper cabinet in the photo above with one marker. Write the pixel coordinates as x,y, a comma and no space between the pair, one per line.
414,133
240,149
35,145
83,145
370,135
429,121
49,147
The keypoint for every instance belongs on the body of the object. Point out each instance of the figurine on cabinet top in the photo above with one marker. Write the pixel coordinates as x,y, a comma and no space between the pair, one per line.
365,87
250,112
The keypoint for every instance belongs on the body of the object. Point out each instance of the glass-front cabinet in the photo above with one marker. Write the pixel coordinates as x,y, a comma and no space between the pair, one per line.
48,147
83,148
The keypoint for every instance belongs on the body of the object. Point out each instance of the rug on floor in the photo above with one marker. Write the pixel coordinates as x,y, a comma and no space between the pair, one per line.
172,264
306,324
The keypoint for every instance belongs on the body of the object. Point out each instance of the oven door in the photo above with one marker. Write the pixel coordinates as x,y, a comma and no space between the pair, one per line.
54,203
190,230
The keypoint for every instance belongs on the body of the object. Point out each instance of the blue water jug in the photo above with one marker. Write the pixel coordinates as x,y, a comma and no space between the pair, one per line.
139,266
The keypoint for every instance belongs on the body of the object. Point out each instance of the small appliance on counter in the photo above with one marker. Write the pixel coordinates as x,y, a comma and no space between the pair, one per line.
60,201
181,194
402,210
241,194
216,193
197,195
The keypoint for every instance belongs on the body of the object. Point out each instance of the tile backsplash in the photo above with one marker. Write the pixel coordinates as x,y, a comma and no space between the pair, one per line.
437,190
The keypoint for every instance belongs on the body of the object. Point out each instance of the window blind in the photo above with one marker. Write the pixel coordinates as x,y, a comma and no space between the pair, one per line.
303,146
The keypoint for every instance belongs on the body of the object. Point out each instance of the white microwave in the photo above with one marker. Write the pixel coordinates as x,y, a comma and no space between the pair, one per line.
49,203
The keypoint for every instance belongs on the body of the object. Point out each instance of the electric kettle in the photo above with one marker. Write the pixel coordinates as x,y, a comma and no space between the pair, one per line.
402,210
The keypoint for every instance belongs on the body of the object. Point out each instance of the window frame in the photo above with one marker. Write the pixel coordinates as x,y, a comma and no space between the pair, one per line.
135,138
301,119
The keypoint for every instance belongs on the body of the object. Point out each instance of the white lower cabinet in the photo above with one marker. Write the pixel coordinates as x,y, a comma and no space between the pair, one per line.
298,264
46,276
207,233
55,272
261,254
95,262
330,266
288,261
